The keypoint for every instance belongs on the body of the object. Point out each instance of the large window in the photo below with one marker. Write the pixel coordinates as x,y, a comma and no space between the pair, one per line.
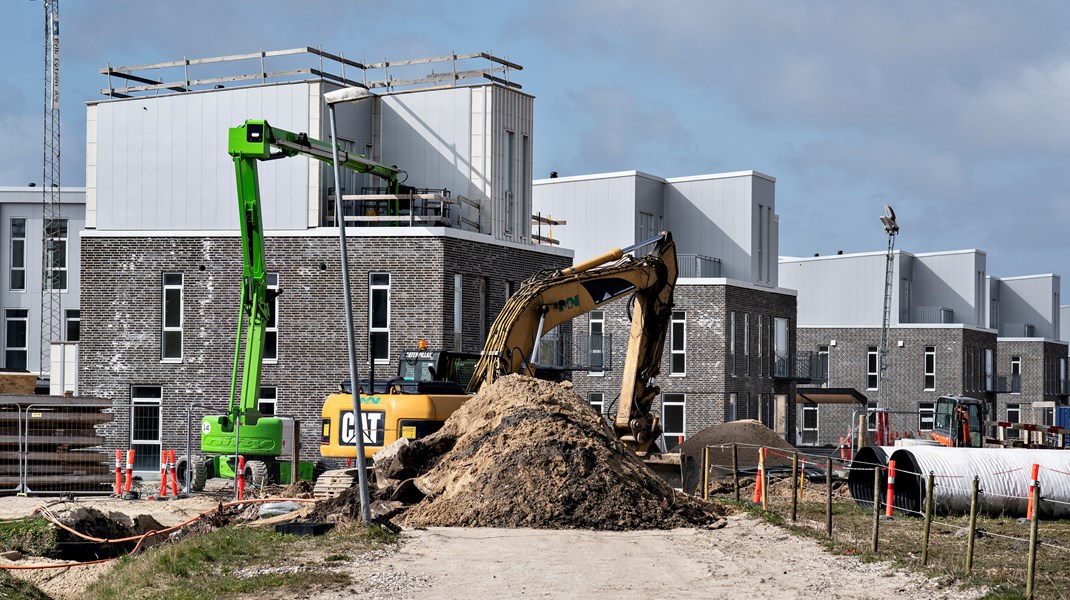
72,321
678,345
930,368
926,415
379,319
746,343
871,415
16,323
56,254
268,400
510,182
597,401
673,417
871,368
172,317
732,341
1014,416
809,425
18,254
145,426
271,331
1016,374
823,364
596,321
730,412
761,341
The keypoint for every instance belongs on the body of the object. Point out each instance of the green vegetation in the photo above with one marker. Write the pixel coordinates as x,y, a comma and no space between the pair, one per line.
233,561
16,589
30,535
999,563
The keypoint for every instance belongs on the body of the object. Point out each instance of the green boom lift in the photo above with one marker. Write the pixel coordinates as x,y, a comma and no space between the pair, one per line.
261,439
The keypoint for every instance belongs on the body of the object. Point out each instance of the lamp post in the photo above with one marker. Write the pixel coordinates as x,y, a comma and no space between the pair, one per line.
892,229
332,98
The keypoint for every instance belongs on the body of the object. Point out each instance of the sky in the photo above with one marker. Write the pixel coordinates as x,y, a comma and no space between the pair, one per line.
953,112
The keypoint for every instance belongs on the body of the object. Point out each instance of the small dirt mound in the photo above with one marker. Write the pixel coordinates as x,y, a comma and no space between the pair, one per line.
748,435
529,453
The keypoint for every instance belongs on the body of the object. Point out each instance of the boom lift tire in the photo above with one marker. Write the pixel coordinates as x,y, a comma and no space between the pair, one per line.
199,475
256,472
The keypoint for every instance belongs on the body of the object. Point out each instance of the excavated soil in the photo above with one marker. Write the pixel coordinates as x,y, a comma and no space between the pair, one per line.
525,453
748,435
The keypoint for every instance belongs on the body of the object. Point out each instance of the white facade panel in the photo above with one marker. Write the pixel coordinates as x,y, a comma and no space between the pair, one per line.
716,218
167,167
837,290
599,213
1029,300
954,280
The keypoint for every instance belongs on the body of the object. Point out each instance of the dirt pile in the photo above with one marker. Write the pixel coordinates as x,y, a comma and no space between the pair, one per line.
748,435
526,453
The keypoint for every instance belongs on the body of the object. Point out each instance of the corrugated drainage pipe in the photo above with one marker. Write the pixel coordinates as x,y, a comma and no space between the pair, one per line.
1003,473
860,475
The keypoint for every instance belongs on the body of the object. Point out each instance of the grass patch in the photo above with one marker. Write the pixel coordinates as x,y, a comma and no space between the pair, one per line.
17,589
999,563
31,535
234,561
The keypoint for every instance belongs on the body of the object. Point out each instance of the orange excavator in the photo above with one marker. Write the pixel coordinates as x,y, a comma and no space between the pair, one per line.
958,422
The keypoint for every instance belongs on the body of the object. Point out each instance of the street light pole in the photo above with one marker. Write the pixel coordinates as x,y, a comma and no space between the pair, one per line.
892,229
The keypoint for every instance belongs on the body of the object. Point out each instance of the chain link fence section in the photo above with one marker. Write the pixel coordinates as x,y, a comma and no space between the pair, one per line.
10,446
62,451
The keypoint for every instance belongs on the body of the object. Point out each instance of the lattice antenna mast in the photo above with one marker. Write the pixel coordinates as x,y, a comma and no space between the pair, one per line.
53,251
892,229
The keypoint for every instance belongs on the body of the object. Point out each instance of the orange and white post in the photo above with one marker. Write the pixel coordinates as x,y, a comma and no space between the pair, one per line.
129,471
241,478
1033,479
758,480
163,475
118,472
890,500
174,473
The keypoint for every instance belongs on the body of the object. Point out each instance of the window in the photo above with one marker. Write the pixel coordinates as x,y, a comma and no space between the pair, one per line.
930,368
271,331
730,412
268,399
56,254
871,368
732,341
73,325
145,426
673,419
746,343
510,185
644,230
172,317
761,360
1016,374
596,321
597,401
484,308
1014,416
926,415
18,254
823,364
379,317
16,323
809,425
871,415
678,345
781,346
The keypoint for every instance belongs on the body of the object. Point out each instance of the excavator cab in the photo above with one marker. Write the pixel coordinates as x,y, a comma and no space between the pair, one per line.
958,422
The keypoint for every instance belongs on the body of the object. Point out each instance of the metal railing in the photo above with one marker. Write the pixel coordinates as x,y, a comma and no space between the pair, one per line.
1006,384
932,314
1017,330
805,366
697,265
587,353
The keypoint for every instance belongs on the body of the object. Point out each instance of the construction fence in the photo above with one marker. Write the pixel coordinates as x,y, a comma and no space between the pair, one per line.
1023,554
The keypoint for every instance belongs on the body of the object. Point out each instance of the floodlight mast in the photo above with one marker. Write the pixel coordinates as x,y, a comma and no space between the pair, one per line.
892,229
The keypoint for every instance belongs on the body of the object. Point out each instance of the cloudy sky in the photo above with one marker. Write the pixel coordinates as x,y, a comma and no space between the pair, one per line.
953,112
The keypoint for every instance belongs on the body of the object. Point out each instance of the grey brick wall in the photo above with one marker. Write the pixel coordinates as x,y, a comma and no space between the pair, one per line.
1042,362
122,308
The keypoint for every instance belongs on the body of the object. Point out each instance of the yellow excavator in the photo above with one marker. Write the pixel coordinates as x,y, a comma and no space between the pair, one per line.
416,405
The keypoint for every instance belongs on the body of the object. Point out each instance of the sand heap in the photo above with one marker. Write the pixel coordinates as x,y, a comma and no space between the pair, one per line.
748,435
527,453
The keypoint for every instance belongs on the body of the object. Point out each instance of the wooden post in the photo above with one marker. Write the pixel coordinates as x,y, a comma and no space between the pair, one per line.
828,497
861,432
876,507
765,479
794,486
706,473
1031,569
930,484
735,470
973,523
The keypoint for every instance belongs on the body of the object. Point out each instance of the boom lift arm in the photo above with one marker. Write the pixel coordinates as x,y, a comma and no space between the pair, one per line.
551,298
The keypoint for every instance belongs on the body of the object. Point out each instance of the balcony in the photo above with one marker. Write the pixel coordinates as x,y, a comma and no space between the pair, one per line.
803,367
1026,330
697,265
374,207
1006,384
587,353
931,314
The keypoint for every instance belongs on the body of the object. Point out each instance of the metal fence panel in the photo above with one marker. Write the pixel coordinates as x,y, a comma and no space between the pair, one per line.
10,446
63,452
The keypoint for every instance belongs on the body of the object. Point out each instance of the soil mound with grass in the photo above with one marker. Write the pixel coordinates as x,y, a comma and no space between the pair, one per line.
526,453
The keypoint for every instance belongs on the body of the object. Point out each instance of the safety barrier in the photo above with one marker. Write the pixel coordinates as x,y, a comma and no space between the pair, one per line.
61,449
10,446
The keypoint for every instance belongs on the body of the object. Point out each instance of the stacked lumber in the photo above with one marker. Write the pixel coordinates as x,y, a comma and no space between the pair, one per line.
17,383
57,440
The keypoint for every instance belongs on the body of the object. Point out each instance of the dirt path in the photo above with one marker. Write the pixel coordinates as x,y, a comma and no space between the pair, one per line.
746,557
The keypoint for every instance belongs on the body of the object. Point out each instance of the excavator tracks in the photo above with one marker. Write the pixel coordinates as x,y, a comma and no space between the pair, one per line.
334,482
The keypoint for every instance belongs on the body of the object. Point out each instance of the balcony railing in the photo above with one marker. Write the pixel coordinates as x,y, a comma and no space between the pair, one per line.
697,265
587,353
932,314
808,367
1006,384
1017,330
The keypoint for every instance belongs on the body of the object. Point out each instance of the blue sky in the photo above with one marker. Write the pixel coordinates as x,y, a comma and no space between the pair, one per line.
953,112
